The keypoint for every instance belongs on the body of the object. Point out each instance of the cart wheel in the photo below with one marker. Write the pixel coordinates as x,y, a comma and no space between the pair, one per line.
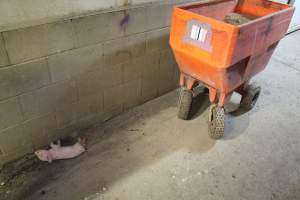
216,122
184,103
250,97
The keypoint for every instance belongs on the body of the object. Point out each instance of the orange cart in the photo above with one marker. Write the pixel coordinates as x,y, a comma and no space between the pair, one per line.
224,56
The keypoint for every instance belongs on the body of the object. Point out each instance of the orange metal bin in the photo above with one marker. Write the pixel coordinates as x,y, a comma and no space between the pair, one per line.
222,56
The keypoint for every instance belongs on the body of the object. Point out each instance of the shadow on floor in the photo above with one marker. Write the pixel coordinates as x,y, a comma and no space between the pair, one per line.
236,120
199,106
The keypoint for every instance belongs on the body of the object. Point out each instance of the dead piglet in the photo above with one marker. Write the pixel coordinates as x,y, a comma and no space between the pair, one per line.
57,151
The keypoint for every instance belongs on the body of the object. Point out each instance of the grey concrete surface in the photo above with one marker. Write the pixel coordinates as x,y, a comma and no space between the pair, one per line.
147,153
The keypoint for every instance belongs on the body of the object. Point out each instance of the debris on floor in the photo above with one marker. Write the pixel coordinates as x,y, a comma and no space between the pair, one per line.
13,174
59,152
13,169
237,19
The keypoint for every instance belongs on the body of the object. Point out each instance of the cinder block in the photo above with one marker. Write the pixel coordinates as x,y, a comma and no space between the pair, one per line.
141,66
98,28
89,112
8,83
89,121
32,75
71,114
89,83
158,39
112,76
132,69
14,142
10,113
114,111
116,51
176,76
167,58
167,69
166,80
128,94
137,44
123,49
47,99
137,21
151,64
83,6
75,62
113,102
34,42
41,131
113,96
132,93
150,85
167,61
183,1
91,105
159,16
146,1
3,55
24,77
65,115
121,3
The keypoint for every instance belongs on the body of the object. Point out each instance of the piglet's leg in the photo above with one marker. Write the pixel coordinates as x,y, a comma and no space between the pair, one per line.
82,141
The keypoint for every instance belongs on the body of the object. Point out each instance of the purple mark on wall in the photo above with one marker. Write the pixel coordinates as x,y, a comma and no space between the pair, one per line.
125,20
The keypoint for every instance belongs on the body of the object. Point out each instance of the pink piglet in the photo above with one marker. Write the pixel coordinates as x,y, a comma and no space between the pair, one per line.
57,151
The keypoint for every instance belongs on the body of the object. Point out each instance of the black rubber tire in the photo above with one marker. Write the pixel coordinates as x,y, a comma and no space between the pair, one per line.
216,122
184,103
200,89
250,97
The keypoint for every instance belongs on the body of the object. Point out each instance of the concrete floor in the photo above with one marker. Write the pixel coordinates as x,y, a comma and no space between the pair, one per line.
147,153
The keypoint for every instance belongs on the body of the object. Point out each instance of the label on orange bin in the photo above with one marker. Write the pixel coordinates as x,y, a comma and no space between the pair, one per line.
198,34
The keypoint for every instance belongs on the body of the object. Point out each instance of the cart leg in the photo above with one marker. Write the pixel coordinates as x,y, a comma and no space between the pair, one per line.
212,95
242,88
223,99
186,82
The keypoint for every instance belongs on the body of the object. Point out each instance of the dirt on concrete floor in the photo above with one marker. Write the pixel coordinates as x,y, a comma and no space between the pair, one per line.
138,129
15,174
237,18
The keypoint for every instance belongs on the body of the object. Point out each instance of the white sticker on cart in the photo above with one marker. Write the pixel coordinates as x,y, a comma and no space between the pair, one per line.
195,32
198,33
202,35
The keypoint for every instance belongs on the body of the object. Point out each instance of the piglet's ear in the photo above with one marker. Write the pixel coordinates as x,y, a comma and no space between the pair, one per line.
37,152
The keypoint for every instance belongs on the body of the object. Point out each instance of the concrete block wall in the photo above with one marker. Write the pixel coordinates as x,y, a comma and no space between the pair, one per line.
70,75
19,14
